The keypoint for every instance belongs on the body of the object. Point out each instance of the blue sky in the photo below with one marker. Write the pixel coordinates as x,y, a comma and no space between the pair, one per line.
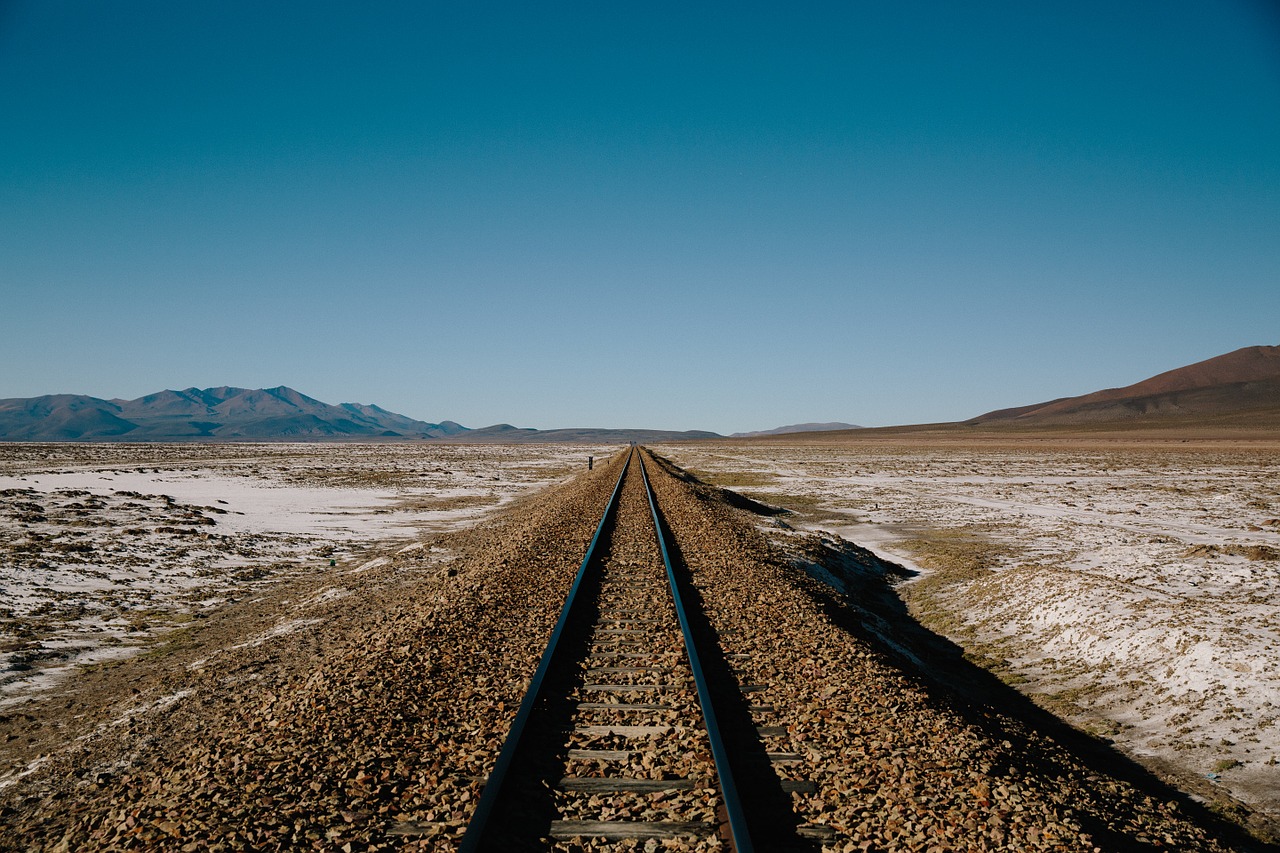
722,216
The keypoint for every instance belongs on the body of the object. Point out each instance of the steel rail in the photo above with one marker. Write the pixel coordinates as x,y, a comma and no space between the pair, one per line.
476,836
739,833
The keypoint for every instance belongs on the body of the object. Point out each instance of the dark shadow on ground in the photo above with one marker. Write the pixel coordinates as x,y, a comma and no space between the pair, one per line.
860,599
857,593
766,803
730,497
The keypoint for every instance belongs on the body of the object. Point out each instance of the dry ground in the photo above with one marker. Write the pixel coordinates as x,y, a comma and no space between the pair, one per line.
1130,588
104,548
359,707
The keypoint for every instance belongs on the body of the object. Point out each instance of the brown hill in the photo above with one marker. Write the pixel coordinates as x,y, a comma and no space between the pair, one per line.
1231,398
1244,383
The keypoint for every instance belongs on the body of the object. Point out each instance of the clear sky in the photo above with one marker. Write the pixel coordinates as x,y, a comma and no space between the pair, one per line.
723,216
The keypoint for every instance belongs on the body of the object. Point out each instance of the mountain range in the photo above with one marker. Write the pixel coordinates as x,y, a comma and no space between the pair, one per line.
198,414
1240,388
263,414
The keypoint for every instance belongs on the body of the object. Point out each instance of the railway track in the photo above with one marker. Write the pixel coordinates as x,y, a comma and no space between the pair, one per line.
378,726
634,730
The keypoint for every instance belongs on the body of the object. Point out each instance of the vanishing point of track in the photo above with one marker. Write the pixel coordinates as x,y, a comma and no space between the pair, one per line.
633,726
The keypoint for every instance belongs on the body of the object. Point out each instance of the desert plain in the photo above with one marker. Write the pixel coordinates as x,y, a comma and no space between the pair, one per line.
104,549
1129,588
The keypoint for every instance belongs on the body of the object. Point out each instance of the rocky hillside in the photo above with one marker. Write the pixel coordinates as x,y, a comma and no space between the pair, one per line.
1241,383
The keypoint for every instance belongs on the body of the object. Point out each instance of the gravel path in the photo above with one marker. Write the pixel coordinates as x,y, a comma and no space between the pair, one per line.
366,721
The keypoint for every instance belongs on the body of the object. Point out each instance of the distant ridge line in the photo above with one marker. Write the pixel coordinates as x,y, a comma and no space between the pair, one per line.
808,427
231,414
1238,390
1231,397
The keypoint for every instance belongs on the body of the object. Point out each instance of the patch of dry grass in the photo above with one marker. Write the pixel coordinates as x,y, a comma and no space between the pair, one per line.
438,504
957,554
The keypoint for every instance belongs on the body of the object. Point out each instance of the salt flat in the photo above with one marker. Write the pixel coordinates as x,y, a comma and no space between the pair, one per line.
1134,591
104,547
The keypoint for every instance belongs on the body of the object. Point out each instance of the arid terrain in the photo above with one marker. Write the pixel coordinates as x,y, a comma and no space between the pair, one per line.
1131,588
345,601
357,699
106,548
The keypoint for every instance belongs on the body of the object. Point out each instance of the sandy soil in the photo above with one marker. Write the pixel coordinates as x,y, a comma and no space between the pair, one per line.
1133,591
105,548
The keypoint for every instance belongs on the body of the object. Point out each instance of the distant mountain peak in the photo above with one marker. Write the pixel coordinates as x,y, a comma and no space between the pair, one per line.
807,427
